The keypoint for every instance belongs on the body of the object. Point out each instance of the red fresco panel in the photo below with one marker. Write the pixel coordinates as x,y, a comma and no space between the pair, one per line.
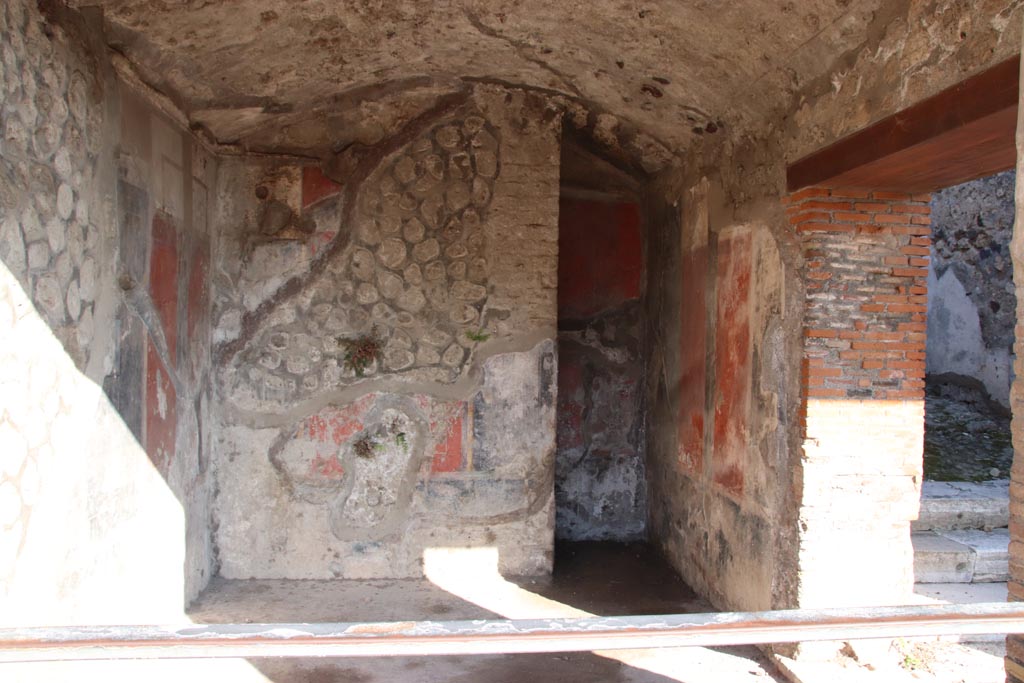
334,424
326,466
732,361
692,354
161,411
600,256
448,453
163,278
316,186
328,429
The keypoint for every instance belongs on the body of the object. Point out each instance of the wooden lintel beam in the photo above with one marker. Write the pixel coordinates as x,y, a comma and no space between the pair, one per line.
903,138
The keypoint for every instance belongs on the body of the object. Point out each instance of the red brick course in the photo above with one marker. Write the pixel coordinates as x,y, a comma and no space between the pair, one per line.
865,269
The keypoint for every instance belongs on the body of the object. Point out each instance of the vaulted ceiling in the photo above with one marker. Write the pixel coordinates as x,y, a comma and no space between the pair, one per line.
305,76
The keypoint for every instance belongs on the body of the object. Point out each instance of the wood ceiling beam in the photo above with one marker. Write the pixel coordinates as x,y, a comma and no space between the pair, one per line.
962,133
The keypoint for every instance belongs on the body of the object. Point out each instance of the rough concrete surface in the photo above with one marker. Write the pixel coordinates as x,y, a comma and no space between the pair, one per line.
1014,643
444,433
313,60
966,433
308,78
971,228
939,559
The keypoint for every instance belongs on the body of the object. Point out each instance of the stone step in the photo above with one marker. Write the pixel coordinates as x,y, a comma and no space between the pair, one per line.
963,505
961,556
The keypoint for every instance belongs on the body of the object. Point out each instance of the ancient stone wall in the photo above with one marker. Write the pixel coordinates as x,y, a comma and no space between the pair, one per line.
600,482
104,504
386,346
718,394
886,56
971,302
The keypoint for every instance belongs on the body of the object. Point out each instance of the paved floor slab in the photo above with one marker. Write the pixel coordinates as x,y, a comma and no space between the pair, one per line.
938,559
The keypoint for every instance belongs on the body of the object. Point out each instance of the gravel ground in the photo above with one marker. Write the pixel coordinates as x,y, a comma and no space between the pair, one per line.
966,436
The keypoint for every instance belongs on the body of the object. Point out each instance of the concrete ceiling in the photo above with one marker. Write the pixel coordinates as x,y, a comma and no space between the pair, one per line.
306,76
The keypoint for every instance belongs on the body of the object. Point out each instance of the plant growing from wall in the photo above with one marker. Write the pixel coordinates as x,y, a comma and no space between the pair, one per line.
477,336
361,352
365,446
400,439
372,442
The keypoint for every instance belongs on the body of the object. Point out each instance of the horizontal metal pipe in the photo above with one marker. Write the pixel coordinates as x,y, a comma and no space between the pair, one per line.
414,638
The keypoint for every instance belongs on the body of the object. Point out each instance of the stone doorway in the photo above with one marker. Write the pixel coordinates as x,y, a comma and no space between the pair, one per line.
600,484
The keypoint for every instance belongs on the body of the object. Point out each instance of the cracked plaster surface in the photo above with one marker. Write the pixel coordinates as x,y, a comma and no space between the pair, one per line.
310,77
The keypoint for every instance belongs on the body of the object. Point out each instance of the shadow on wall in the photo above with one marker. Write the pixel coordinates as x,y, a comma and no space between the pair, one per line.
90,533
103,502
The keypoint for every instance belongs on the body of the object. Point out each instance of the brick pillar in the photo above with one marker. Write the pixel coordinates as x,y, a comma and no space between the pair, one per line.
865,268
1015,643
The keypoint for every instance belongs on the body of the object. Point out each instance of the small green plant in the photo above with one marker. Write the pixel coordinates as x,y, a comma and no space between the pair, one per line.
909,659
372,441
361,352
910,662
477,336
396,429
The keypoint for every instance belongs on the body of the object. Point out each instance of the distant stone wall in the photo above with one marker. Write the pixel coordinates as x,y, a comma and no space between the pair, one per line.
971,305
104,340
435,255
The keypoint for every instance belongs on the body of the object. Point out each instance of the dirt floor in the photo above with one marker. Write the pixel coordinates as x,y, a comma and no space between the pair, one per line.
598,578
954,663
590,578
966,437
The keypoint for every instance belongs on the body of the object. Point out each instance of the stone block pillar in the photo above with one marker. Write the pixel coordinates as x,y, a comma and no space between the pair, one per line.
865,269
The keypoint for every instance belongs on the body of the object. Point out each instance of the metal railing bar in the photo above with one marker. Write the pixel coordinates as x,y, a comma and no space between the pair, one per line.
502,636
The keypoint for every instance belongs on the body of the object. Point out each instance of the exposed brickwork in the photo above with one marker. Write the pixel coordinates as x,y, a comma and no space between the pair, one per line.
865,272
866,269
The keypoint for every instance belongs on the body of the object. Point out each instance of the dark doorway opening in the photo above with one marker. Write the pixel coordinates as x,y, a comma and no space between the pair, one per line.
600,484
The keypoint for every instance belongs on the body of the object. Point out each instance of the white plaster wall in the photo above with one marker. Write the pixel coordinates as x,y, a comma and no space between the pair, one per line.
90,531
955,344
